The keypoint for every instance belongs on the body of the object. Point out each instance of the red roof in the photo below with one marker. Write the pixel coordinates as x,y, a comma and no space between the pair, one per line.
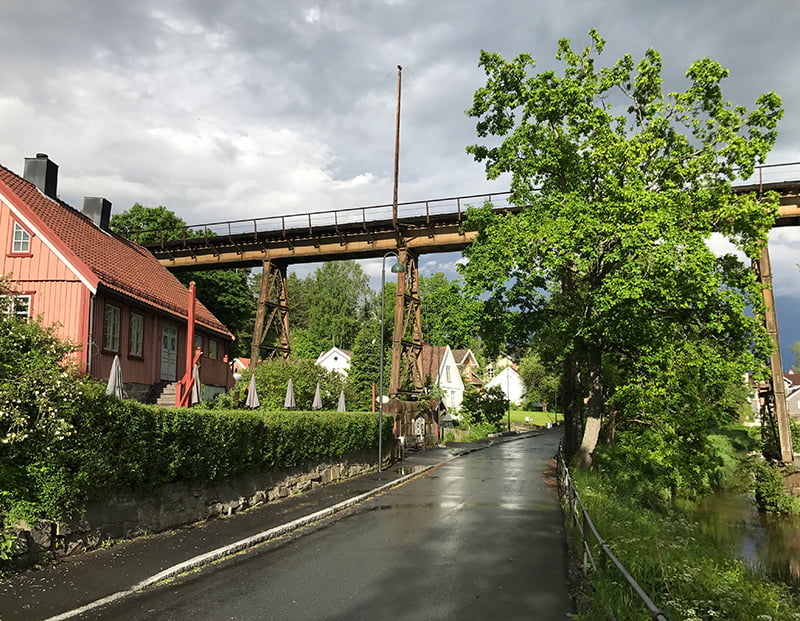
102,256
431,359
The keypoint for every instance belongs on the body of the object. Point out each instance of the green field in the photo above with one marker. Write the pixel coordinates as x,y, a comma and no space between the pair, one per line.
536,418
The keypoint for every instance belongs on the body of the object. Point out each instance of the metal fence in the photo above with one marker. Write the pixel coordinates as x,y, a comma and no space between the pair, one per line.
590,538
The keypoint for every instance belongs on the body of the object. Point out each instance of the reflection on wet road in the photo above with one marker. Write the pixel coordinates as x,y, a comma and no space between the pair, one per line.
478,537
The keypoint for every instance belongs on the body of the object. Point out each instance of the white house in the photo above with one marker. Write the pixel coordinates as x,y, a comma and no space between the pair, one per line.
439,364
335,359
510,382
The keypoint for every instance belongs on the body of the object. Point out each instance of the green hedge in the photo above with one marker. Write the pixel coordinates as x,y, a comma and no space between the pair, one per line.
126,446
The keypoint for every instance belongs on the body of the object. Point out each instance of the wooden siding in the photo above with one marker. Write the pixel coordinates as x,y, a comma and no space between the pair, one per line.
58,296
146,369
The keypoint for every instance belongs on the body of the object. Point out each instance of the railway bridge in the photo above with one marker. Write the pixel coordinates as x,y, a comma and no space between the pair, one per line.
408,230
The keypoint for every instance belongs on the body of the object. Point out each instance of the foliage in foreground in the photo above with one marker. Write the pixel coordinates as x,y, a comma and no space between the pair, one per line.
677,565
126,446
620,185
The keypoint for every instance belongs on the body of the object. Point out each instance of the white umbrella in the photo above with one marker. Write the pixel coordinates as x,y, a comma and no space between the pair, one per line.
114,386
195,385
252,400
288,402
341,407
316,404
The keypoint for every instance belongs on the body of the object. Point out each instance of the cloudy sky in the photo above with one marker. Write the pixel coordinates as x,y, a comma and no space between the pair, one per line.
248,108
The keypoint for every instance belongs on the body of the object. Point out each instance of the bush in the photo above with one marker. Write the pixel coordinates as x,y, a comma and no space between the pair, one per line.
488,406
121,446
770,491
272,379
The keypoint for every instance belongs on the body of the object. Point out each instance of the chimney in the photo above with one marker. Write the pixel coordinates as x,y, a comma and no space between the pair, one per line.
43,173
98,209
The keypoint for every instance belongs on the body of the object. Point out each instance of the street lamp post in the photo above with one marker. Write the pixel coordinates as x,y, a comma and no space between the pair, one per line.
397,268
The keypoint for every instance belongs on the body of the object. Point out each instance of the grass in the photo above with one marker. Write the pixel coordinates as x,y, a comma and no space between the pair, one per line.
680,568
536,418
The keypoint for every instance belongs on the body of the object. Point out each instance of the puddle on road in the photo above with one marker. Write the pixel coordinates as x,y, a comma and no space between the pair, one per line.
404,470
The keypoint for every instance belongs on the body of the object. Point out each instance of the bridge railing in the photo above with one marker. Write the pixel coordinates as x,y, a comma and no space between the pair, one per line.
773,173
349,218
363,216
576,513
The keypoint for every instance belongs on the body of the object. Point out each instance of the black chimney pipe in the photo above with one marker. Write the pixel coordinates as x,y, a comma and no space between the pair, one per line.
43,173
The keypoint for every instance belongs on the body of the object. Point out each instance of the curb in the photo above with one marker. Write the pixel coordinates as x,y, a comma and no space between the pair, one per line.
243,544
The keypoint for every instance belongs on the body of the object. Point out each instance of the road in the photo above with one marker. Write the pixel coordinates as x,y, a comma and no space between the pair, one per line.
479,537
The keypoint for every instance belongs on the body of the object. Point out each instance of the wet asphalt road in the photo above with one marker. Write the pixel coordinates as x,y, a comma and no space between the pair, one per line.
476,538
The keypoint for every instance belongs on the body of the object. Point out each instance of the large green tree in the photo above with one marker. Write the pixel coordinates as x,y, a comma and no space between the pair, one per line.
226,293
448,316
621,186
541,380
328,307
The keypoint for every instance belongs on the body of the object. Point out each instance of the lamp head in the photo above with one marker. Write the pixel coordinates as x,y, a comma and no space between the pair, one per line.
398,268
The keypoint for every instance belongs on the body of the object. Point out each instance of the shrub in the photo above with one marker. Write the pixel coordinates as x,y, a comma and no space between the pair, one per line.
272,378
488,406
770,492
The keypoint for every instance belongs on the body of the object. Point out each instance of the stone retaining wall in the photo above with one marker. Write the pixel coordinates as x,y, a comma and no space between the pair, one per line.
129,515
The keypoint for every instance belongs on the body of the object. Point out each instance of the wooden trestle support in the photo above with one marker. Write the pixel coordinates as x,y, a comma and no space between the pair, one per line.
272,320
406,372
771,394
272,315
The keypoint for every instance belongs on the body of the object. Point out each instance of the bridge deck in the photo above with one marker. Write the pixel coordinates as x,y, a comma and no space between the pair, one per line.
366,232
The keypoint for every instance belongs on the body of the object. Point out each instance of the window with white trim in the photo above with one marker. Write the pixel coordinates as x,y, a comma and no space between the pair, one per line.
17,305
136,336
21,242
111,328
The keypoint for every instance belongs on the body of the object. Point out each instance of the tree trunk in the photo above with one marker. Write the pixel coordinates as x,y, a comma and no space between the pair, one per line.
571,406
591,432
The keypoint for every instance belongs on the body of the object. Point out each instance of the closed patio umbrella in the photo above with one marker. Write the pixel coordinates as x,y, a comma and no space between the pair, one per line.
340,407
288,402
316,404
252,400
195,385
114,386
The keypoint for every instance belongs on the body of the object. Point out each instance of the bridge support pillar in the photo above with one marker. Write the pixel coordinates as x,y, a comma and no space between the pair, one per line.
272,315
406,372
772,396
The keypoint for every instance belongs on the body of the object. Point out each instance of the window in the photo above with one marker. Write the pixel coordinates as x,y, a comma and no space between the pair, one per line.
21,242
111,328
17,305
212,349
136,338
447,374
198,342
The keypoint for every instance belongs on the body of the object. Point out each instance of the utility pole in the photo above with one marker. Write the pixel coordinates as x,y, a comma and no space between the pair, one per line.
396,147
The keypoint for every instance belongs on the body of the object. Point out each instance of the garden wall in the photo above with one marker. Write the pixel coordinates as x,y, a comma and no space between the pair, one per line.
125,516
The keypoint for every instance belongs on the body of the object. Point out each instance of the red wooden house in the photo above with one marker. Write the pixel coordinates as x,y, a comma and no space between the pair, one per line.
105,293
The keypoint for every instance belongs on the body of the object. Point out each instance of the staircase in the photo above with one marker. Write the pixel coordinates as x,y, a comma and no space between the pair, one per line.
163,394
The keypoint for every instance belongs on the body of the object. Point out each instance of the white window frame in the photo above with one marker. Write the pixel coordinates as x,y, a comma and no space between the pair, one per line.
21,240
18,305
136,335
111,324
